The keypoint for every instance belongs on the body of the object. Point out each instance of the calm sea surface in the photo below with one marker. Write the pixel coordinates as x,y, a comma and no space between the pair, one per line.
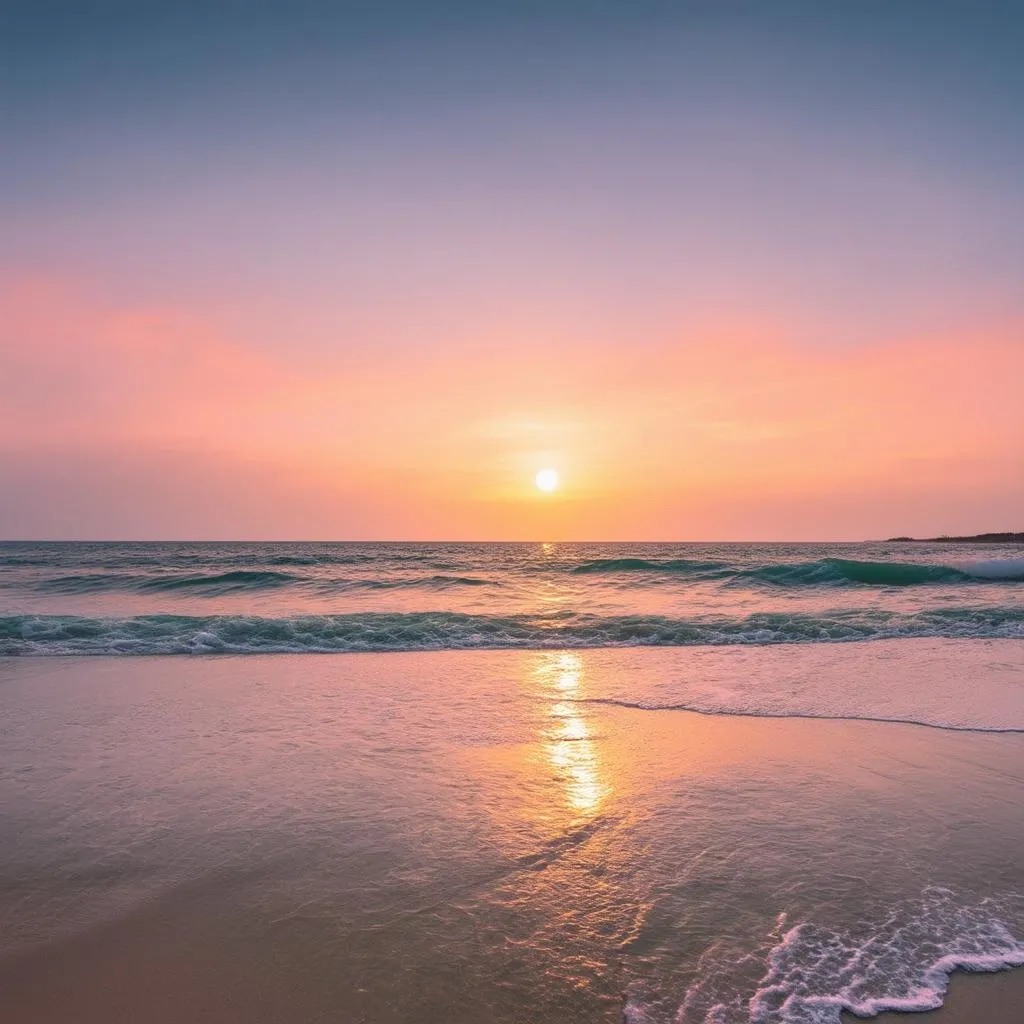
501,804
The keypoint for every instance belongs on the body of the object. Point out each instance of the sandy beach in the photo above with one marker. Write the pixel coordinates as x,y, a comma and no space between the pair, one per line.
478,836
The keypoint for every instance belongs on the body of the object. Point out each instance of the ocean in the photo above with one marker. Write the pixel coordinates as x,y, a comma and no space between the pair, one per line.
666,783
297,598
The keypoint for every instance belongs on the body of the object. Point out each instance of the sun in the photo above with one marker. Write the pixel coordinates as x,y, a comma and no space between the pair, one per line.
547,480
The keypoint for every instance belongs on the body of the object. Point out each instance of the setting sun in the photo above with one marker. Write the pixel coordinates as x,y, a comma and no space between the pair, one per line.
547,480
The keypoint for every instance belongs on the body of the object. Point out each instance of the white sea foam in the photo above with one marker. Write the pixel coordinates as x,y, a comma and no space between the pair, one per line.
814,972
439,630
903,964
996,569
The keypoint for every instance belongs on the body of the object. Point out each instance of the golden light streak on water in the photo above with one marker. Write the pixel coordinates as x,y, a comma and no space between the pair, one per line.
569,744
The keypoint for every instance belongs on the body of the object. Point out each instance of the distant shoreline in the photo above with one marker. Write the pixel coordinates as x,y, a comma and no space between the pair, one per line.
978,538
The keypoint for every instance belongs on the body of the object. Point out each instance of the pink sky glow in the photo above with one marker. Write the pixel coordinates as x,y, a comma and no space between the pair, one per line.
709,430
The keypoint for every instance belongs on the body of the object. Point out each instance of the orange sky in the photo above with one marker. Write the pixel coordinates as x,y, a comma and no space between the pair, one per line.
712,430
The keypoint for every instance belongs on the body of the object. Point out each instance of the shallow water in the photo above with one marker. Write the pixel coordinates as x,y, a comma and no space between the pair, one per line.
510,835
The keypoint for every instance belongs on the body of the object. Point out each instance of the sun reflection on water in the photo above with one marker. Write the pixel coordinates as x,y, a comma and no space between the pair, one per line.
568,743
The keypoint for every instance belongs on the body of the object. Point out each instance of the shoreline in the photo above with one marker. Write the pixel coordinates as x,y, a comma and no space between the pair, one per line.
263,838
973,997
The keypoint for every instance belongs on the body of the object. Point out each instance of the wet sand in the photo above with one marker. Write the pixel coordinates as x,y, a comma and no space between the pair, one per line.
172,963
464,837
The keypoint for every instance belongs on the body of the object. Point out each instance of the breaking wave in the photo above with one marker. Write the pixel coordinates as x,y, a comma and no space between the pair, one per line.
901,961
821,572
415,631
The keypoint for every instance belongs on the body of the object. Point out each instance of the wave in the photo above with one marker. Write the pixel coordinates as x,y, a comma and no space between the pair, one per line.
320,559
222,572
698,708
680,566
242,580
416,631
996,569
881,973
377,558
426,582
821,572
237,579
116,558
845,570
899,960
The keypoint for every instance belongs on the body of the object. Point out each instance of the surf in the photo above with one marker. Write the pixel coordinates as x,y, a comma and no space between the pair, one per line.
444,630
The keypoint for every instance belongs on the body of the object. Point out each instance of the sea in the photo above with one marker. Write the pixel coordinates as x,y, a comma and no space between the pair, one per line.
117,599
383,782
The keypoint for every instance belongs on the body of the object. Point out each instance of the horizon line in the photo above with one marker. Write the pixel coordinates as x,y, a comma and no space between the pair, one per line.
223,540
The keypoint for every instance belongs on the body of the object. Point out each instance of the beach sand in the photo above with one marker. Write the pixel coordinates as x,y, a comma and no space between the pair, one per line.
462,836
170,963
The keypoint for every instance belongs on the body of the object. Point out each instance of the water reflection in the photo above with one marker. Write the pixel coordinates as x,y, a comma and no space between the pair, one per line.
568,743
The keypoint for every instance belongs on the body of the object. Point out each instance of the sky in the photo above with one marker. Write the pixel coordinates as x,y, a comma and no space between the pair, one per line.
340,270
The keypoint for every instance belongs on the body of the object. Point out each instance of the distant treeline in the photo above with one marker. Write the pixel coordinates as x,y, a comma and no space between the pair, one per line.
978,538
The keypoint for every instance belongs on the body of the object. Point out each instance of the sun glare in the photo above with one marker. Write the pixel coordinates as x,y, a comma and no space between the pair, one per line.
547,480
